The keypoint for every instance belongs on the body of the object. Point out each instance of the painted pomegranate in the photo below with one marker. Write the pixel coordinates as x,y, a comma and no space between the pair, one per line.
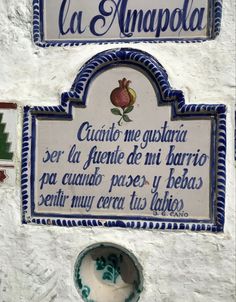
123,97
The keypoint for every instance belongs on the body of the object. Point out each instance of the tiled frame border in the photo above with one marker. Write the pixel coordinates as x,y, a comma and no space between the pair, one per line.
78,93
39,40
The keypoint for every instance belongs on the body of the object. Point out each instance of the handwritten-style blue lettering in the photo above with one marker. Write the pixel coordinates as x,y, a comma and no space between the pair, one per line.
117,13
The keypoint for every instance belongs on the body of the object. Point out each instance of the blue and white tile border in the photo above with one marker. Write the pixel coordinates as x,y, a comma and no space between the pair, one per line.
216,11
149,65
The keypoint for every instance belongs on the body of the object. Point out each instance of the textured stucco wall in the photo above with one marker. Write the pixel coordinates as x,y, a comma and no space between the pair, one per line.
36,263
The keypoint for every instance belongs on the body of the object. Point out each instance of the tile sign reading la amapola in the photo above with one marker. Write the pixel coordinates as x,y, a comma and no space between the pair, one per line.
71,22
123,149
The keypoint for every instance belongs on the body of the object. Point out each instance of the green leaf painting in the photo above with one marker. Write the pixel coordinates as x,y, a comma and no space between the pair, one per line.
116,111
126,118
129,109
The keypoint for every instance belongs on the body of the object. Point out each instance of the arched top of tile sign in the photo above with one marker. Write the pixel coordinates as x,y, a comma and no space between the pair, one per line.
131,154
74,22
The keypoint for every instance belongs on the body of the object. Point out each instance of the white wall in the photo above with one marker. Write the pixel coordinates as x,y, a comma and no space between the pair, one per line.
36,262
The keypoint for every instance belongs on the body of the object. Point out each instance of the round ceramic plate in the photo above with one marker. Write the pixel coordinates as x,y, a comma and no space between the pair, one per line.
106,272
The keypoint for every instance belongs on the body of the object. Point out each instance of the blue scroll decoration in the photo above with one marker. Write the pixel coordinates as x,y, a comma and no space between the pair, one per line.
175,98
38,33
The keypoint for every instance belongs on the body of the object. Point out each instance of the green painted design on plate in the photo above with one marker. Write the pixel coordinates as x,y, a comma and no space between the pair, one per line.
84,289
109,266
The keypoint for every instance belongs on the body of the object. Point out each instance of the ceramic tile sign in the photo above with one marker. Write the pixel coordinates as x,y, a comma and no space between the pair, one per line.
74,22
8,121
123,149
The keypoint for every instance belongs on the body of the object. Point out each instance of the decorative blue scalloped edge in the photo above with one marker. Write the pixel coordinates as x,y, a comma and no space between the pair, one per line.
38,30
150,66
